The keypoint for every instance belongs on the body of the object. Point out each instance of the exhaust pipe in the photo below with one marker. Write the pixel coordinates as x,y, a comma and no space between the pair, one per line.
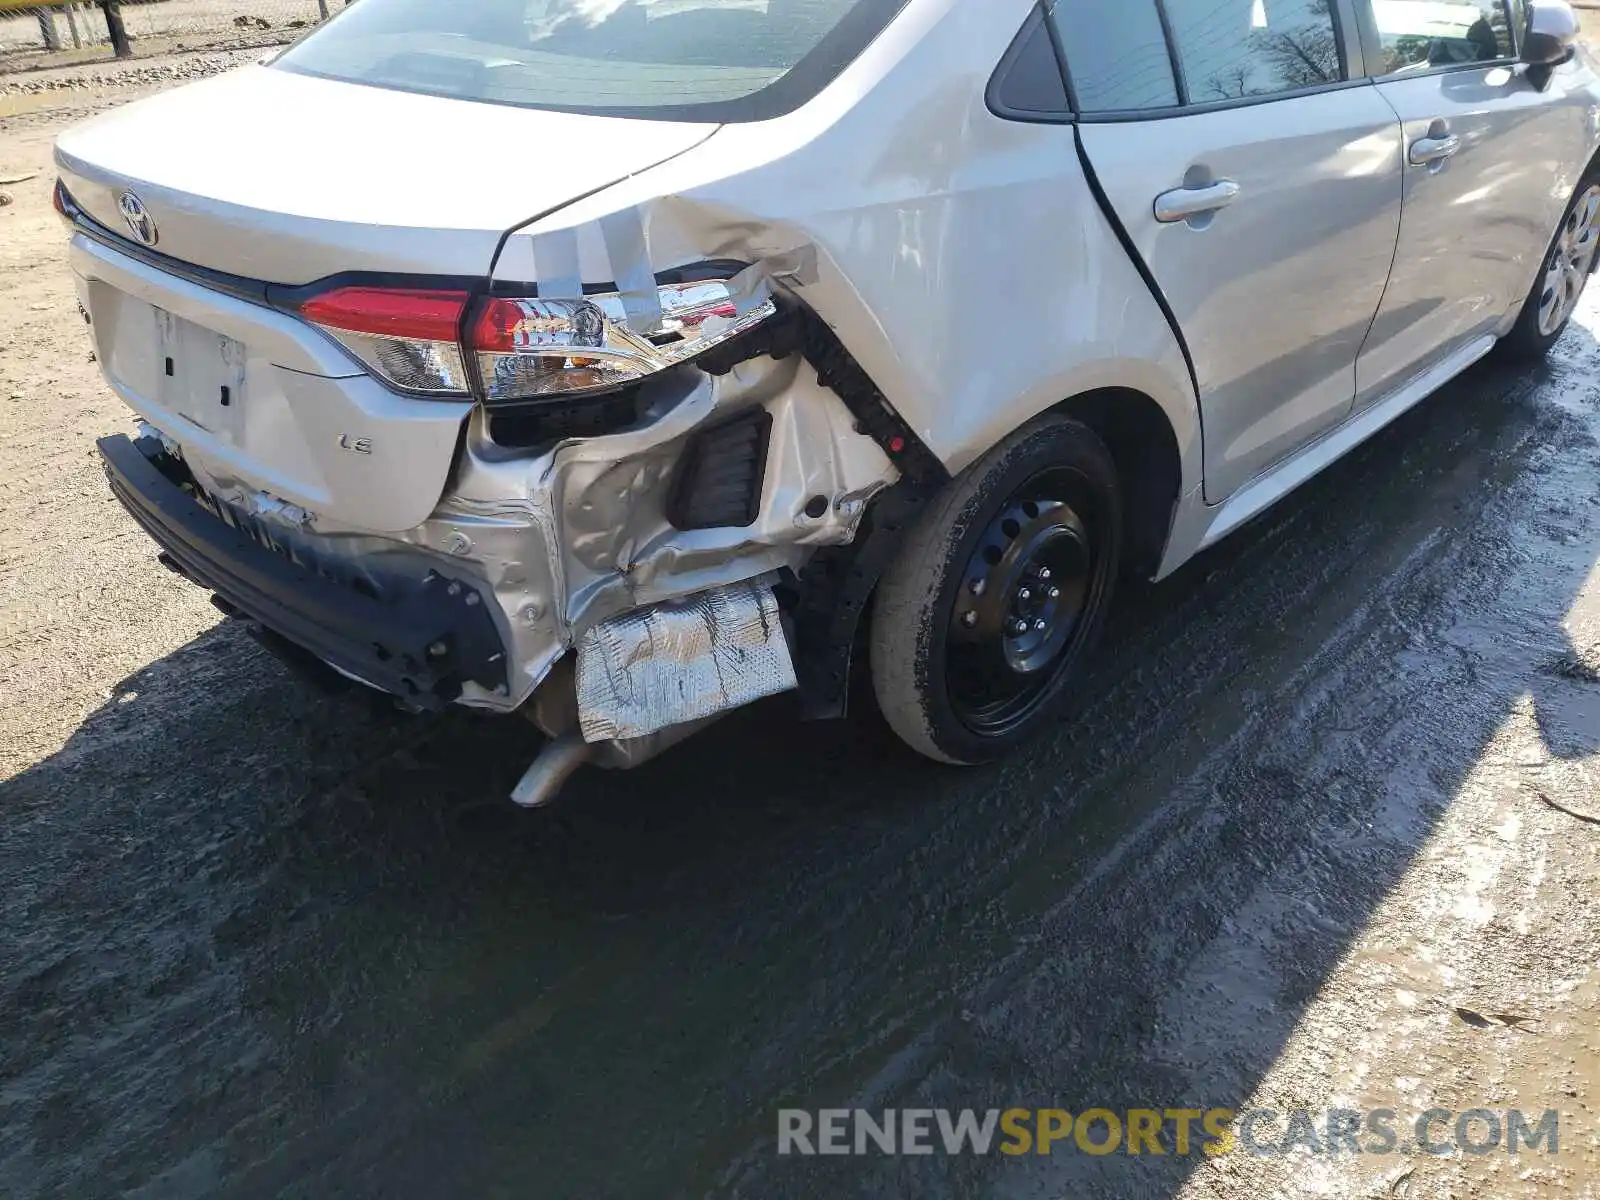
645,680
554,766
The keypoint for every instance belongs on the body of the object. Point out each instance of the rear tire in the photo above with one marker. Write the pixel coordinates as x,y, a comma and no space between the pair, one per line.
998,594
1564,273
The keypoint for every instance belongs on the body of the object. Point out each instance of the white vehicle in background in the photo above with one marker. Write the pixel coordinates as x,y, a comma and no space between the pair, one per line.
622,363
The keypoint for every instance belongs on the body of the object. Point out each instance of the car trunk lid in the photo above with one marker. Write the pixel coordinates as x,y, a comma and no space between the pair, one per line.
288,178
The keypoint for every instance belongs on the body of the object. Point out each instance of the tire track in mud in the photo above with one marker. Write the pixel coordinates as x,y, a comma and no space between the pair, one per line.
1254,854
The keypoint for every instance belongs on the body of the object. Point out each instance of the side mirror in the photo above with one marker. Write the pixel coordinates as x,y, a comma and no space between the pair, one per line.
1552,36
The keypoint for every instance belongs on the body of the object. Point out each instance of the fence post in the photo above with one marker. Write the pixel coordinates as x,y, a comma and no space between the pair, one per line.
322,7
72,24
119,35
47,29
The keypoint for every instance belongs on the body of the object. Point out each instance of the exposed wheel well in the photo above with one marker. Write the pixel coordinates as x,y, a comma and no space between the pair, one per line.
1142,444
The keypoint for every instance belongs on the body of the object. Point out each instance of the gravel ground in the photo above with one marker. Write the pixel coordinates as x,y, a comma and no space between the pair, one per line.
162,72
1324,833
172,25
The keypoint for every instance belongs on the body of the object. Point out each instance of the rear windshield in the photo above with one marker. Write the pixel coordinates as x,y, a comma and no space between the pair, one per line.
679,60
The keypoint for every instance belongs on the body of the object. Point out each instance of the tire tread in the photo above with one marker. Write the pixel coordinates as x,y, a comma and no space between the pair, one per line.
906,610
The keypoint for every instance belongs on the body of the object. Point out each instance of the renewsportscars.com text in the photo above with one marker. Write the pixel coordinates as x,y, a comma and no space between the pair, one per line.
1152,1131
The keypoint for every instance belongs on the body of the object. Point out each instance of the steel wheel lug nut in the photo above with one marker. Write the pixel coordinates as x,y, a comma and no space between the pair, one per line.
977,587
969,619
1038,626
1020,628
1055,593
1024,595
1044,573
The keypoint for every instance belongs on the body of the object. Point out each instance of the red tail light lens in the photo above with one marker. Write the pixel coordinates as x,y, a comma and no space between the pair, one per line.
430,316
494,331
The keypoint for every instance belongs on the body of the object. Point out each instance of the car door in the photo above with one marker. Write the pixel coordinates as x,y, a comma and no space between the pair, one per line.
1258,177
1491,162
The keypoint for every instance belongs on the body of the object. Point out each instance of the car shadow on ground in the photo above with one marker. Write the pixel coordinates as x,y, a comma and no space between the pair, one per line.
271,942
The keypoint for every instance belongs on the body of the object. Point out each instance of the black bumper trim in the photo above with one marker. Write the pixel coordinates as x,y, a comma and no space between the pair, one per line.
420,643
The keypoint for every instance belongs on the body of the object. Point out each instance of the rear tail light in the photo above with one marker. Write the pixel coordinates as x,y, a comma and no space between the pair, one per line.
409,337
531,348
526,348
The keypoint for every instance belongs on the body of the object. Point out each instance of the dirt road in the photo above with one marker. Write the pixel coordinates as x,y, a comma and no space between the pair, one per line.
1323,834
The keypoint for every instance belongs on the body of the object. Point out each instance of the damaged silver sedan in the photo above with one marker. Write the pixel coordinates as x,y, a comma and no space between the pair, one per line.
624,363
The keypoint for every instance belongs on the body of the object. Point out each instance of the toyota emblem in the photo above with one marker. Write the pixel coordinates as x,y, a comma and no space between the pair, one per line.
139,220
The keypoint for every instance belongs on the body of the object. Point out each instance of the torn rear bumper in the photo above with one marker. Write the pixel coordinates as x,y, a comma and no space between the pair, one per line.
420,638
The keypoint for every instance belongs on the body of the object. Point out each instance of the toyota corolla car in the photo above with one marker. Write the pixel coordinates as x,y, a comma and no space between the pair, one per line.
622,362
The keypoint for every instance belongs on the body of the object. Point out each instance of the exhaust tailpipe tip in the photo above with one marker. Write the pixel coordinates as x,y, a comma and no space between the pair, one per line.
555,765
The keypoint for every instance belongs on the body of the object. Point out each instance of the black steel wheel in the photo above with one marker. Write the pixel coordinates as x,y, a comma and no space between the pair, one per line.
998,594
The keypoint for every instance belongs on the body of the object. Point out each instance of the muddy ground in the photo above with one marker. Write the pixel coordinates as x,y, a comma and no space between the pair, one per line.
1322,834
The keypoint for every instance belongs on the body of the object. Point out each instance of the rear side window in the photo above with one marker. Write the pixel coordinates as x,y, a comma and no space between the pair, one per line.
1233,49
1118,55
1425,35
1030,82
682,60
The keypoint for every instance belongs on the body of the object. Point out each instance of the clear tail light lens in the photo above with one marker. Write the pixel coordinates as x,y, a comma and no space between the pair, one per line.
408,337
528,347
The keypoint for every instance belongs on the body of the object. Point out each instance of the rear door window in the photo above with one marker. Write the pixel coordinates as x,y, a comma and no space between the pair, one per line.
678,60
1426,35
1235,49
1118,55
